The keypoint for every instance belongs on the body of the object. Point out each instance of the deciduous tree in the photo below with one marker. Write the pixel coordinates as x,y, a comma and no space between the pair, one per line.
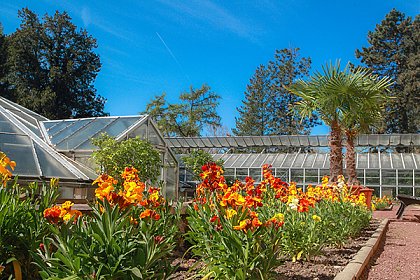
53,66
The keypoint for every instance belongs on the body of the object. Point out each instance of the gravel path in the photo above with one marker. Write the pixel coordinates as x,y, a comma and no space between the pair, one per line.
399,258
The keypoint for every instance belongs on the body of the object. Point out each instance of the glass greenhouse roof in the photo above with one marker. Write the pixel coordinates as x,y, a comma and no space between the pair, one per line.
35,158
319,160
75,134
364,140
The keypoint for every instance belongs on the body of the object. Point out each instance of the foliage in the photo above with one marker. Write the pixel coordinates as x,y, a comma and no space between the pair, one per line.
267,108
4,69
379,203
22,226
240,231
394,52
52,67
196,110
131,234
113,155
337,97
198,158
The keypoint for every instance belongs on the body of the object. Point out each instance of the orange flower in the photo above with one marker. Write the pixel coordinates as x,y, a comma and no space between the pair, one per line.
232,198
52,214
150,213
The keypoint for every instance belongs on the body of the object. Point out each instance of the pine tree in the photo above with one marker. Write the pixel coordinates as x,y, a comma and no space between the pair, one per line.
268,108
393,51
53,67
254,113
195,111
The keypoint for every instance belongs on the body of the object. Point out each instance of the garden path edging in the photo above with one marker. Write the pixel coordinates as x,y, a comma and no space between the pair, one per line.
357,265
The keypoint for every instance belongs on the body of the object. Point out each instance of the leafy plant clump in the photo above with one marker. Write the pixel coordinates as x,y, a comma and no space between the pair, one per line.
22,225
113,156
131,234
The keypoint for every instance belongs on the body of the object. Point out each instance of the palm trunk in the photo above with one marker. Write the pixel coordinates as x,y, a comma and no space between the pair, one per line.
351,158
336,155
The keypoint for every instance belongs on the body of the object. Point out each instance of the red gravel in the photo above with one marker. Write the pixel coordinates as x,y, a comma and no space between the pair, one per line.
399,258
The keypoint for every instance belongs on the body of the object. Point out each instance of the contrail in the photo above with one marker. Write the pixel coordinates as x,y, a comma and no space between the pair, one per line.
174,57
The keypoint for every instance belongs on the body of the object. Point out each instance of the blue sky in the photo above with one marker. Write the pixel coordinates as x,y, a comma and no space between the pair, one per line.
150,47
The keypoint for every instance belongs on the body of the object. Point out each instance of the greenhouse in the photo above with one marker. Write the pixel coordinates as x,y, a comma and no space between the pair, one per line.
45,149
390,164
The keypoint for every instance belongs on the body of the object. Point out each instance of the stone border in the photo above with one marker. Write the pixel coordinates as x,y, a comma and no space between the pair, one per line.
357,265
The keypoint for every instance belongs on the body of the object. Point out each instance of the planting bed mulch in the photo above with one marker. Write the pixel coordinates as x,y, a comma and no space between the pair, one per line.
322,267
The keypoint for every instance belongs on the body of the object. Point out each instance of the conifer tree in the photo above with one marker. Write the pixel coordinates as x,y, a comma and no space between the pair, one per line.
394,51
268,108
195,111
253,114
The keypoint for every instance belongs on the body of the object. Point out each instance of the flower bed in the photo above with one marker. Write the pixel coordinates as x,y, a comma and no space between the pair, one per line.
238,231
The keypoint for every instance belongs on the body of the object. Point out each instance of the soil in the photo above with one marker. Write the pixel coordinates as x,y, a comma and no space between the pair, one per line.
322,267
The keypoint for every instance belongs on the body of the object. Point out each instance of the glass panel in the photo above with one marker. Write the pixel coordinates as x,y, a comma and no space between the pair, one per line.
267,160
417,177
389,177
297,175
311,176
323,172
373,161
66,193
7,126
319,161
51,167
372,177
385,160
323,141
282,174
279,160
390,192
255,173
154,137
299,160
289,160
396,161
309,160
247,162
417,192
241,173
229,174
362,161
405,190
376,191
24,158
14,139
119,125
303,140
408,161
56,126
230,160
405,177
240,159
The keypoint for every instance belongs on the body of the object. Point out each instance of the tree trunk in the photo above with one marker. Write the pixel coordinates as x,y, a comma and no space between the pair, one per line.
336,155
351,158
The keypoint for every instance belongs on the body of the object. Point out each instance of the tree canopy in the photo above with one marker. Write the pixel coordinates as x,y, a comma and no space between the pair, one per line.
268,107
394,51
189,117
52,67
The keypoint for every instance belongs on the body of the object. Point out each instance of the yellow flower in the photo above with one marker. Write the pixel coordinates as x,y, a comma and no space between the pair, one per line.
230,213
67,205
279,217
242,225
67,217
316,218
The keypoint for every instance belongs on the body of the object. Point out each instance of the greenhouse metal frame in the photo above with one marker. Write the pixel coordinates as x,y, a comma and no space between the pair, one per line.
379,164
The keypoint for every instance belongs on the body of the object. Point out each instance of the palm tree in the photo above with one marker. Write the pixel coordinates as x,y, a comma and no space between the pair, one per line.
365,111
335,95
